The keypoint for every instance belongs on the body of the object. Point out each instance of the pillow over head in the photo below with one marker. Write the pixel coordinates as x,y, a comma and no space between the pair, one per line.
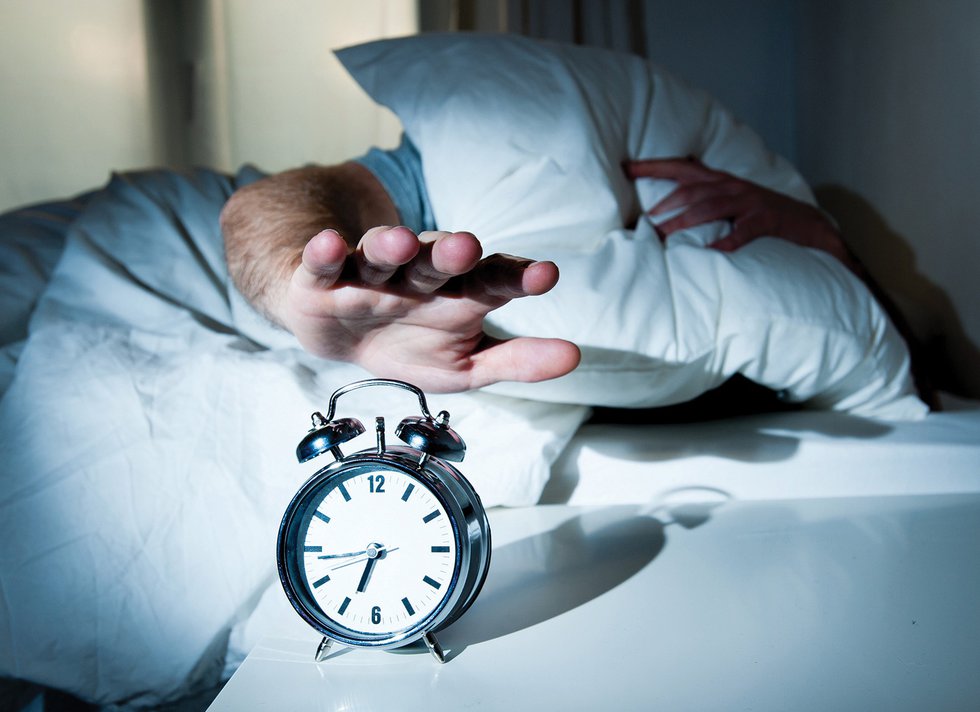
522,143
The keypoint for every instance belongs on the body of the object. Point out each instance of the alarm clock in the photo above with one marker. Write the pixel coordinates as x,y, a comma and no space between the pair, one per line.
383,547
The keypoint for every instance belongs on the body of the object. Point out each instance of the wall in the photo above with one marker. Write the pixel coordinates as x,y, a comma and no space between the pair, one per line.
889,131
91,86
74,100
741,52
286,99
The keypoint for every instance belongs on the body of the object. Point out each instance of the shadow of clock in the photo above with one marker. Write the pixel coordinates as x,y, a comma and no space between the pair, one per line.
540,577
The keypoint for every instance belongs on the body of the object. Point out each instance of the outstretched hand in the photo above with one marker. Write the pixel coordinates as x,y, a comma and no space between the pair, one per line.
412,307
705,195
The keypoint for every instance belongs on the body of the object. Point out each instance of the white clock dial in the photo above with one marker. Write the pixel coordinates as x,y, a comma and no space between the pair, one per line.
379,552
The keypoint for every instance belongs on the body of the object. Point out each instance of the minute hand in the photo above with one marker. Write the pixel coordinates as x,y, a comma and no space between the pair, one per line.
342,556
357,561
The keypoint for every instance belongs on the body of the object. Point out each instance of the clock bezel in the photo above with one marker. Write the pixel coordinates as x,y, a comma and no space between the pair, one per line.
471,534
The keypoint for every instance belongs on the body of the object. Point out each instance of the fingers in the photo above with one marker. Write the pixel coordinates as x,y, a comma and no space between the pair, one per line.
442,256
423,264
427,261
695,192
722,207
742,234
681,170
703,194
379,254
382,251
538,278
524,359
323,260
500,278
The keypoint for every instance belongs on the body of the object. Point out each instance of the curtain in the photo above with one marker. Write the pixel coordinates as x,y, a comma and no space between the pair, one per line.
616,24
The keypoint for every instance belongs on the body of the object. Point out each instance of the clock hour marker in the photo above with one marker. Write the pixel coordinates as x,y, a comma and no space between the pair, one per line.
408,607
312,549
317,584
432,582
344,492
440,550
430,516
408,492
343,606
320,515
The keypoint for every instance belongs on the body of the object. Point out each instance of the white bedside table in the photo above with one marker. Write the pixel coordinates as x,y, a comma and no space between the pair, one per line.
831,604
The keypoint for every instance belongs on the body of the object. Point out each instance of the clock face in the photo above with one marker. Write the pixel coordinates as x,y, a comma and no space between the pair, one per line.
377,552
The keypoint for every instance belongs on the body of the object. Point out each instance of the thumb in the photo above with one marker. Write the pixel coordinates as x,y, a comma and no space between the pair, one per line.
524,359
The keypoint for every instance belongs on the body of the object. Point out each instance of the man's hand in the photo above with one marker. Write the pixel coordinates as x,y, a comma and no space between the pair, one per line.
412,307
705,195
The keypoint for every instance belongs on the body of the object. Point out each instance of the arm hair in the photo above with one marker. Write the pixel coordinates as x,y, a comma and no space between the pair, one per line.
267,224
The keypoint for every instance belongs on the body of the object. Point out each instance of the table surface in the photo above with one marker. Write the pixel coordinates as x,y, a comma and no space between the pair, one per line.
697,603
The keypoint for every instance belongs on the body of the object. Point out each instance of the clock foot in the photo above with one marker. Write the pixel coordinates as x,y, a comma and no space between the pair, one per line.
323,649
433,645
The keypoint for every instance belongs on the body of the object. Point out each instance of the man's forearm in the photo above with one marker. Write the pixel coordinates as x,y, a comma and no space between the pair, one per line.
267,224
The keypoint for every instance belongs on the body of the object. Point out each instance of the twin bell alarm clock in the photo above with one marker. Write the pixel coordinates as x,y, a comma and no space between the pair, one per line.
385,546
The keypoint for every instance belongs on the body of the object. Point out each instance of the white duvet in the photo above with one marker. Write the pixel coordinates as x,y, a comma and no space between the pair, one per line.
147,447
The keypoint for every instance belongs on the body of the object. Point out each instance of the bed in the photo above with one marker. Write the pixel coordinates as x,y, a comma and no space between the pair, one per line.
149,414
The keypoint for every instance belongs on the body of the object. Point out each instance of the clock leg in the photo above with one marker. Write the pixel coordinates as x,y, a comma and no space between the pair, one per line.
323,649
433,645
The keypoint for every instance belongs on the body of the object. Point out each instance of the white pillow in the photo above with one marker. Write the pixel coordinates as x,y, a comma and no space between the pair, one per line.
522,142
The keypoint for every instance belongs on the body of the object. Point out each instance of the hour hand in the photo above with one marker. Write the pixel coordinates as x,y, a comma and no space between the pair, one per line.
374,553
366,576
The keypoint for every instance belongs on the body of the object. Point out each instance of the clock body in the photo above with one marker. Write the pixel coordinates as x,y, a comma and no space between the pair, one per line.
379,548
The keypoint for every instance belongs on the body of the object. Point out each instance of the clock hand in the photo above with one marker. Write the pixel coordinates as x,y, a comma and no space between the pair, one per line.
366,576
341,556
375,552
385,552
